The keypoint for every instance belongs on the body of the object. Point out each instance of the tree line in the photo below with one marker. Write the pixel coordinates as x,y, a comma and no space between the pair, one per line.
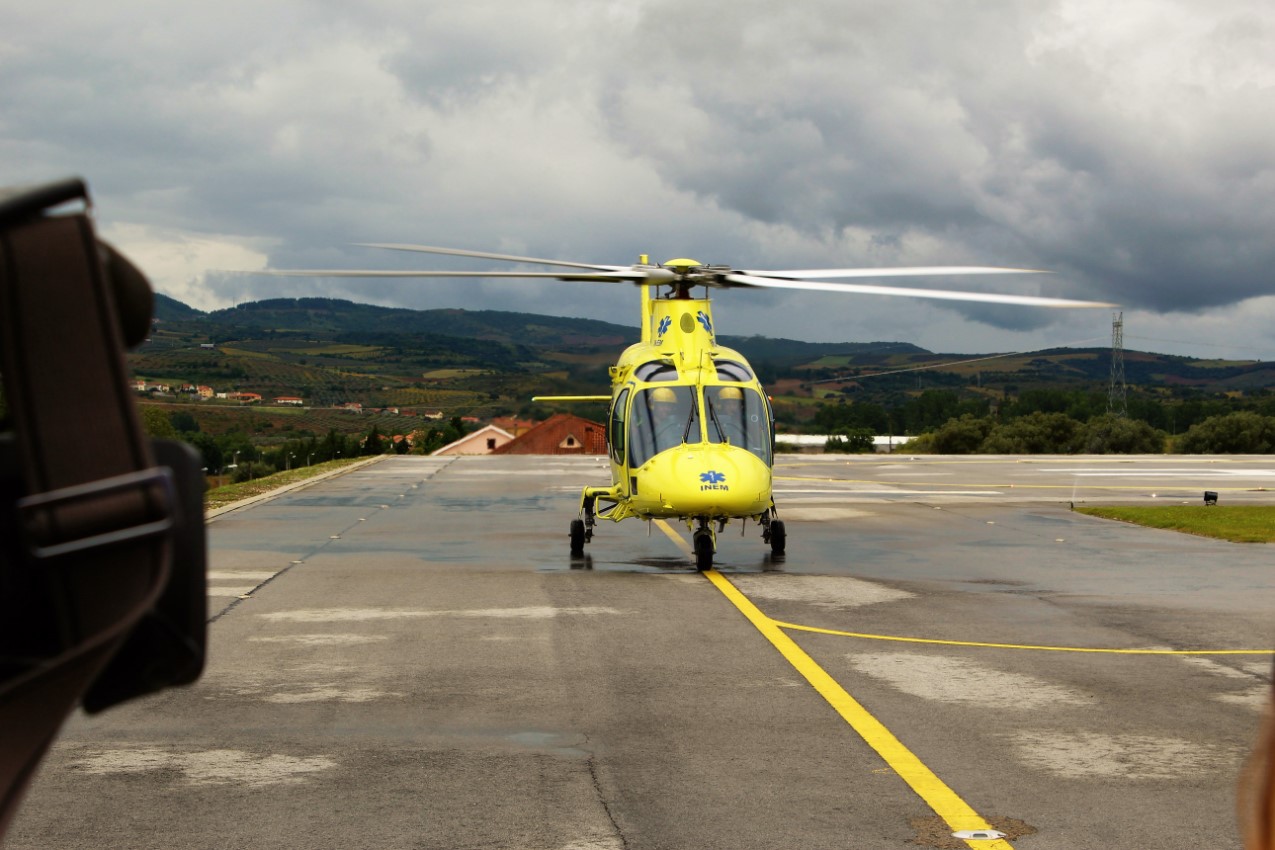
1057,422
234,453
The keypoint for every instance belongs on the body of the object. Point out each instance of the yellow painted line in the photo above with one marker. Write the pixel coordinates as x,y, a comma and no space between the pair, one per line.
676,538
936,794
817,630
1070,487
877,481
948,460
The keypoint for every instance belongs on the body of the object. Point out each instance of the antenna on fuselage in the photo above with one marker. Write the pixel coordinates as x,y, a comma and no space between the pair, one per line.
645,260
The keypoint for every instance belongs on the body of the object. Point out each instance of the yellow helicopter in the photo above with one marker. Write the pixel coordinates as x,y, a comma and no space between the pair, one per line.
690,433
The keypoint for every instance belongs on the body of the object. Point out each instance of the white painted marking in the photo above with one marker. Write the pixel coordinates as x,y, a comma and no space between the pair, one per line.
821,591
1258,668
597,842
812,513
921,473
1256,698
349,615
241,575
1086,755
1215,667
506,473
954,680
1168,473
519,638
330,693
207,767
232,591
321,639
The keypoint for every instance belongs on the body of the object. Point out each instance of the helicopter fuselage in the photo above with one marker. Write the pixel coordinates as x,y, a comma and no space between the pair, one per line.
690,432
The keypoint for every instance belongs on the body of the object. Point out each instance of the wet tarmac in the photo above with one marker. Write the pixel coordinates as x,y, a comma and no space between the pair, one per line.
407,656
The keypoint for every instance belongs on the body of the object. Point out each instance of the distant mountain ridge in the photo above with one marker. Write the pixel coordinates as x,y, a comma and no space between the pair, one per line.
169,309
339,316
487,362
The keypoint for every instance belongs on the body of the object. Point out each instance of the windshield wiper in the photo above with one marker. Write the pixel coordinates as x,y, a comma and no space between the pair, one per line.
712,416
690,420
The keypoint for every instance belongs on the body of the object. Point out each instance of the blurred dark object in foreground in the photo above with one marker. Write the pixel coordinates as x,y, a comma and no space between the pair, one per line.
102,550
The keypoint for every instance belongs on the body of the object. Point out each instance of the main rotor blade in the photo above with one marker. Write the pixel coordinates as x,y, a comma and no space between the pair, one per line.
903,271
908,292
483,255
621,275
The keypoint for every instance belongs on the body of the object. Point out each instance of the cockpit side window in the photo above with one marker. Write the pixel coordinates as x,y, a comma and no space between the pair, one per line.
661,418
616,436
738,416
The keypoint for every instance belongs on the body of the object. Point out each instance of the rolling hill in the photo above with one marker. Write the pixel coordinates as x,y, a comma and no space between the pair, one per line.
489,362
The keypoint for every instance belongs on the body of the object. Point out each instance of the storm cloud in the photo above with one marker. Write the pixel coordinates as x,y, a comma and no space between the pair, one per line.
1124,148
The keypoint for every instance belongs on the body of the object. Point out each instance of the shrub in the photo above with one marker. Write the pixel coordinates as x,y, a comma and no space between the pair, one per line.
1234,433
1112,434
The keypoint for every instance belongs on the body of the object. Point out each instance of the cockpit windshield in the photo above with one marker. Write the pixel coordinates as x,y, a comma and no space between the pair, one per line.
738,416
660,419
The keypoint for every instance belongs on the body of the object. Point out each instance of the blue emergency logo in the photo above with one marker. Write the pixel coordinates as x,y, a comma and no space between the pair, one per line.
713,480
704,320
664,324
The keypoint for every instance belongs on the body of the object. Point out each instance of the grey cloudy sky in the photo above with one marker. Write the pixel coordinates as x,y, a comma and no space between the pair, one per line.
1126,147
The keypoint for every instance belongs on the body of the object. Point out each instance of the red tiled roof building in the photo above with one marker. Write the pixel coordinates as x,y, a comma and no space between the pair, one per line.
560,434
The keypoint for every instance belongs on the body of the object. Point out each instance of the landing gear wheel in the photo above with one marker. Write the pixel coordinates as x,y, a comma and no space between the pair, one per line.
577,537
703,551
777,537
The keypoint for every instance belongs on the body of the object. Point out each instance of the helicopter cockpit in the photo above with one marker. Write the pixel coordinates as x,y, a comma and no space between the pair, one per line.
664,417
740,417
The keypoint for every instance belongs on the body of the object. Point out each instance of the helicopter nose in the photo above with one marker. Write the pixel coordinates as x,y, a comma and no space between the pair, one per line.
715,480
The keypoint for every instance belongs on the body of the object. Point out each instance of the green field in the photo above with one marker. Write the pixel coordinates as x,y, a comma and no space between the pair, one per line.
1237,523
450,374
333,350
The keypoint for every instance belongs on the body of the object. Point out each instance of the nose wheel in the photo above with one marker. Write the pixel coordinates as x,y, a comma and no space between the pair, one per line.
705,544
704,547
773,532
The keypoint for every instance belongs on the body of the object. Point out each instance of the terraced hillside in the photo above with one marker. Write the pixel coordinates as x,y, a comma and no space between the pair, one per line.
484,363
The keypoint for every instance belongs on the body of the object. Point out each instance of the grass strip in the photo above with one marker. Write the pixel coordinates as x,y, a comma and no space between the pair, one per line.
221,496
1237,523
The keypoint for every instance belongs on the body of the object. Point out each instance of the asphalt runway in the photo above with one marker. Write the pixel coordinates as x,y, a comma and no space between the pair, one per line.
405,656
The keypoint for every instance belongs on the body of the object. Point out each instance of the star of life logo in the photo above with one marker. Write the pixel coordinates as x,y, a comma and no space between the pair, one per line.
713,480
662,329
704,320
